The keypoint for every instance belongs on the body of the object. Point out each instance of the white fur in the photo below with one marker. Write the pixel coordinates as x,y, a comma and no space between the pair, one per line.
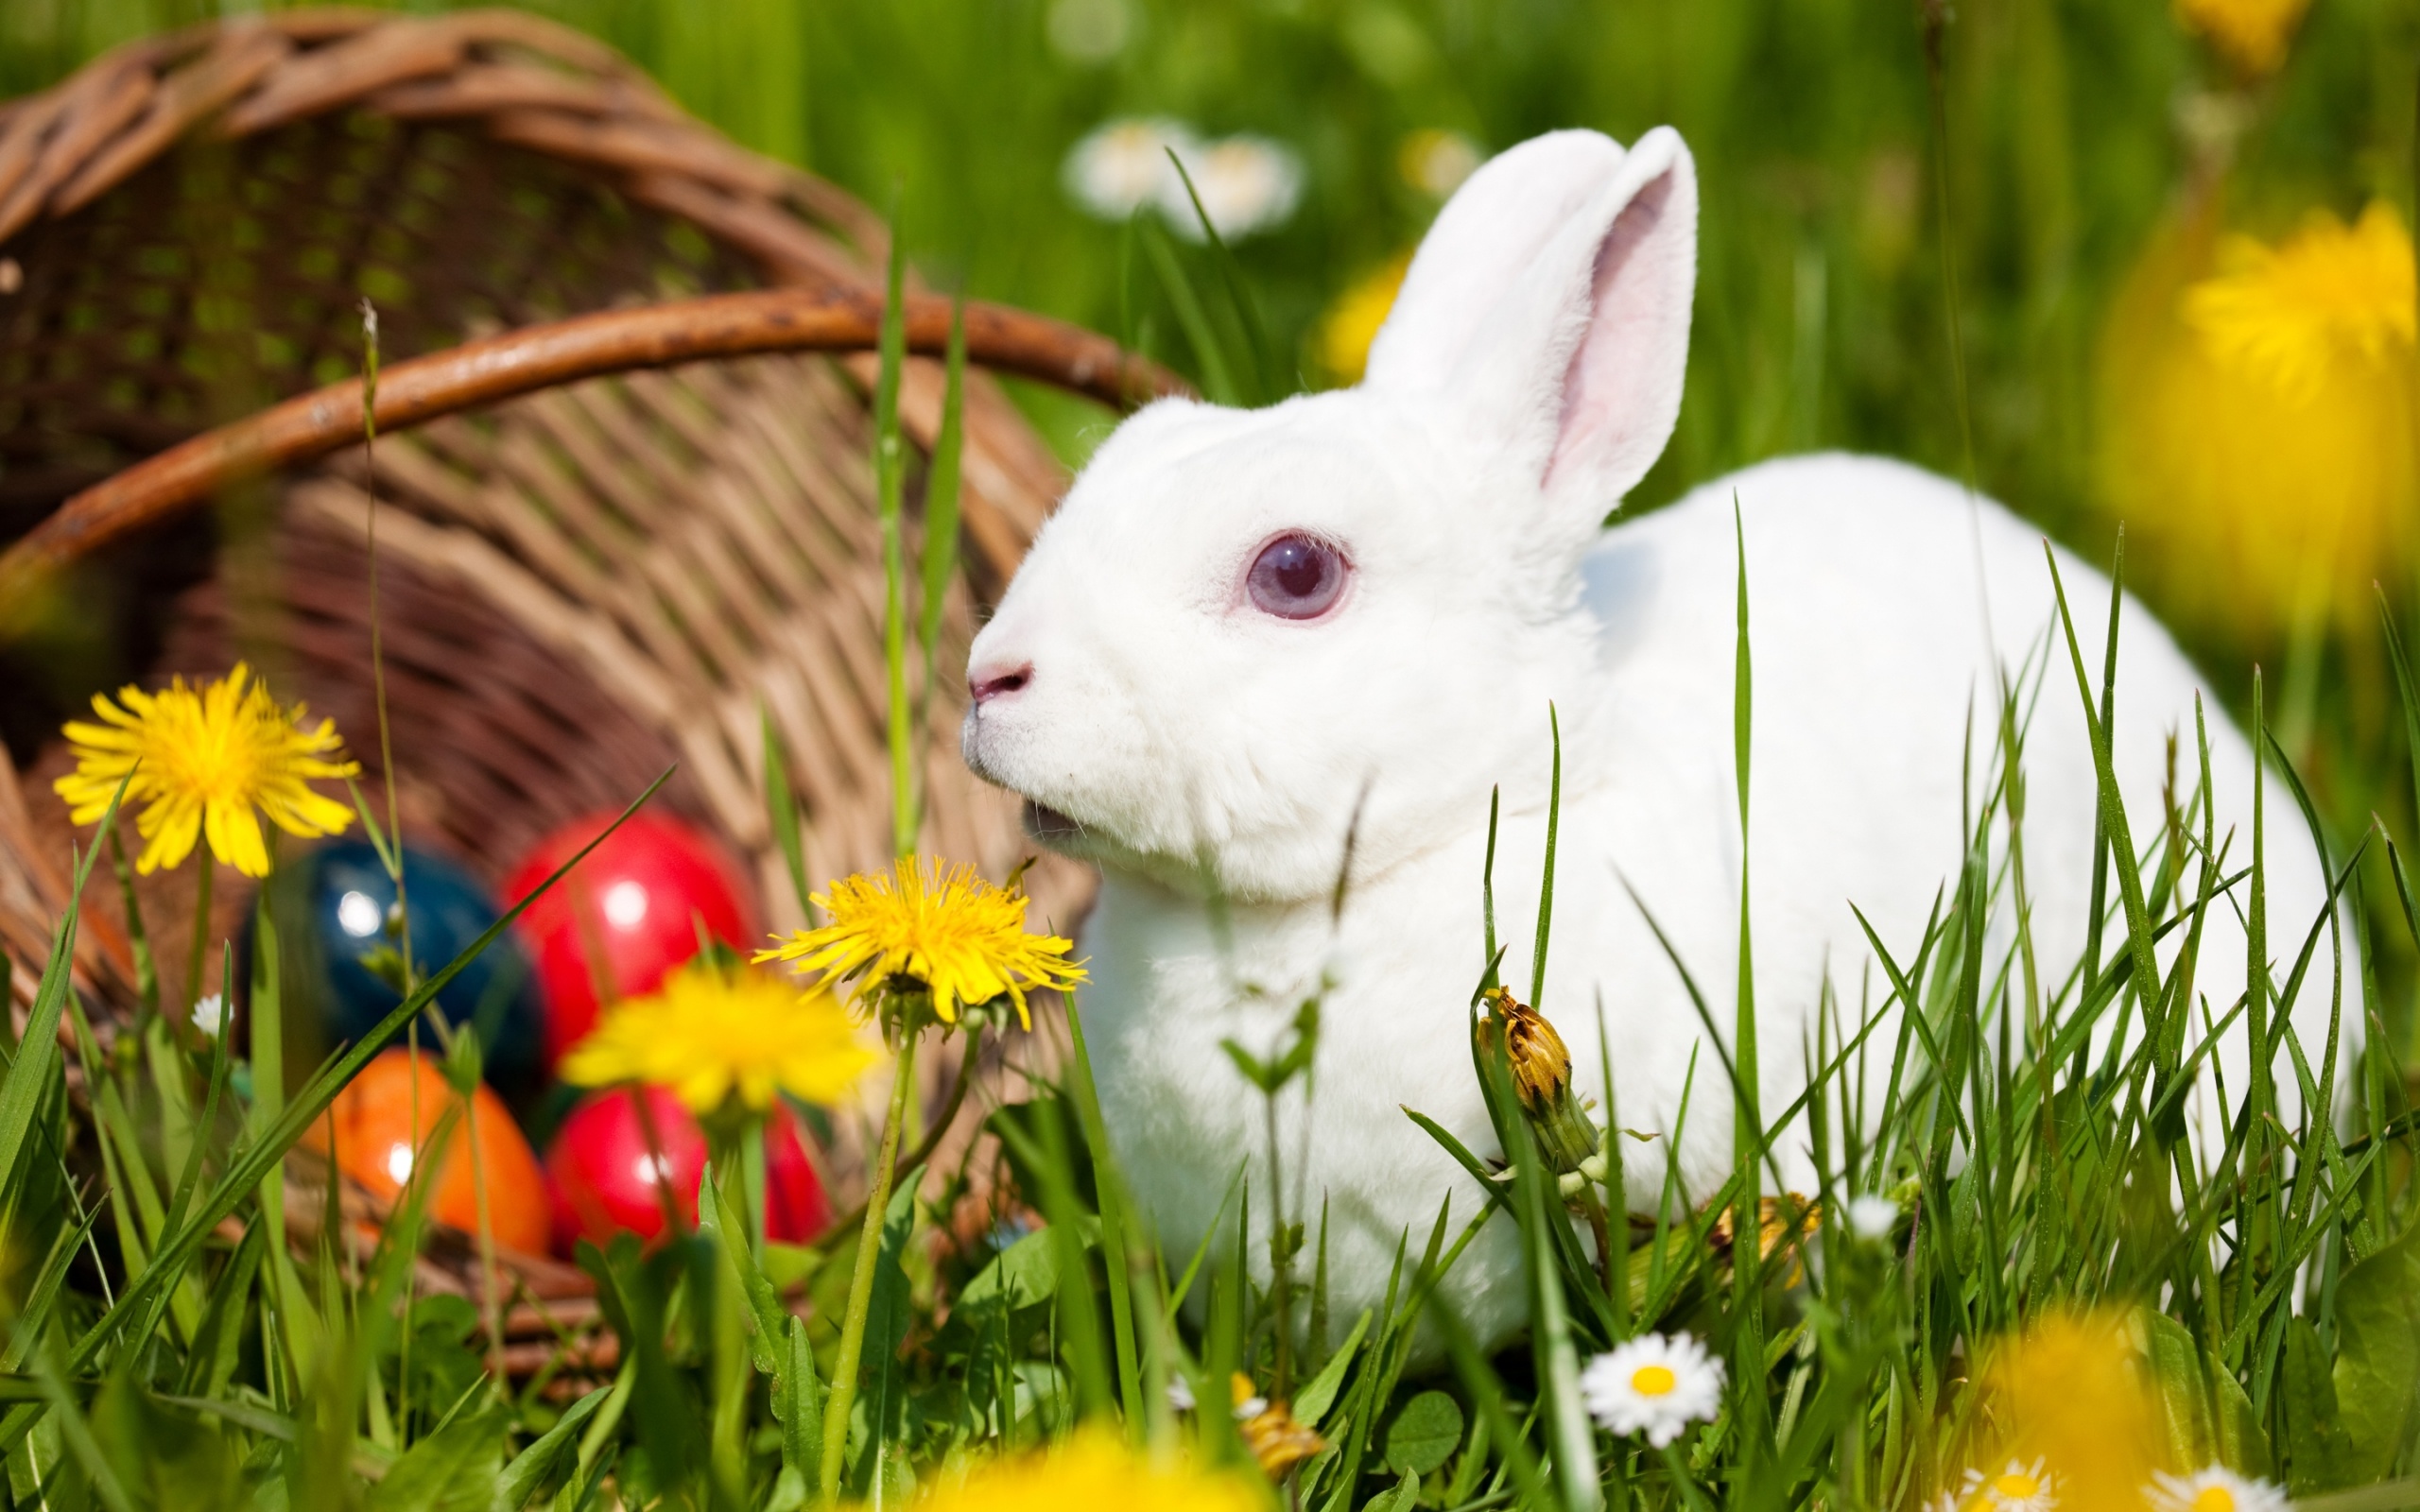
1529,376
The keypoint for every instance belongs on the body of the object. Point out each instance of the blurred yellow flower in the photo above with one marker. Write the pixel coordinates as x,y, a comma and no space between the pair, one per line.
1352,322
1092,1470
205,762
2257,430
958,936
2069,1417
2333,296
712,1033
2250,34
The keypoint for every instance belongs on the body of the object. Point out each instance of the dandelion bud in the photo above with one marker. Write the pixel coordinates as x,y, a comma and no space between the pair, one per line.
1541,1068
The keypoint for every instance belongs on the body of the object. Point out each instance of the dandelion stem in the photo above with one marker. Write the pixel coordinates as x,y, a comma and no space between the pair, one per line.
209,863
852,1324
377,641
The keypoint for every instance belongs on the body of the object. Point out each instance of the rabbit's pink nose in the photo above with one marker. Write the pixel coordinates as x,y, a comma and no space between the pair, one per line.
987,685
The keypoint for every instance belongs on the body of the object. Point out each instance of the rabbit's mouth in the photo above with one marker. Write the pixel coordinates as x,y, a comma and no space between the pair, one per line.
1049,825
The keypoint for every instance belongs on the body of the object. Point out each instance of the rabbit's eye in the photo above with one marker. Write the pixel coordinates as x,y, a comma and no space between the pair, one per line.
1296,578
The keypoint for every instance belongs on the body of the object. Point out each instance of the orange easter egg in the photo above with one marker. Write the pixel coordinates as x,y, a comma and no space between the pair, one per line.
383,1121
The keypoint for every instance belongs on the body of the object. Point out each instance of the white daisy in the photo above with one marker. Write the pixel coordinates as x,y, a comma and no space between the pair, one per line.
1180,1393
1123,165
209,1015
2020,1488
2215,1490
1871,1216
1246,184
1653,1384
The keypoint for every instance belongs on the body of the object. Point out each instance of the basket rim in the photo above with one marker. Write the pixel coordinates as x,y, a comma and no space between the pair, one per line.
525,80
530,358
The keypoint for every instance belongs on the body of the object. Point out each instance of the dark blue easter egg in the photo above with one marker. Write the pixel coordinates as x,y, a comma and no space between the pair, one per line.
349,902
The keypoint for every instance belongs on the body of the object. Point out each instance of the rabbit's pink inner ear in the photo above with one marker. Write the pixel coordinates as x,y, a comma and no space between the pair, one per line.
1622,391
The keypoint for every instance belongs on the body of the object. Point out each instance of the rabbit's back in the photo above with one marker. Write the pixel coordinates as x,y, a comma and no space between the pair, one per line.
1889,613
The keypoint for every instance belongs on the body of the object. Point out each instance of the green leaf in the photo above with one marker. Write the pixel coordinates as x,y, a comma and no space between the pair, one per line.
882,1402
1312,1402
1401,1497
721,1222
2314,1430
798,1405
781,812
1424,1435
1026,1273
2377,1360
534,1468
37,1064
2176,1372
940,565
454,1470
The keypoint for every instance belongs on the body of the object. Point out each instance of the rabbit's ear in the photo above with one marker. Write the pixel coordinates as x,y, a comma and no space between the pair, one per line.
1550,305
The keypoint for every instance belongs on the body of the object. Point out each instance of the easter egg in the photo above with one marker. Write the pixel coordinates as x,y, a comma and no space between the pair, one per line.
340,903
610,1170
382,1124
632,911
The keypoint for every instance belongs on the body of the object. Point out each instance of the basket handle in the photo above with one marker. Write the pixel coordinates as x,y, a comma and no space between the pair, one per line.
521,361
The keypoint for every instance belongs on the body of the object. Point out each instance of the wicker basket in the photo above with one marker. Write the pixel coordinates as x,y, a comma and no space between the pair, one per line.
581,585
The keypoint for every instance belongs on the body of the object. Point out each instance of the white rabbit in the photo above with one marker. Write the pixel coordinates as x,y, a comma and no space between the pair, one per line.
1240,627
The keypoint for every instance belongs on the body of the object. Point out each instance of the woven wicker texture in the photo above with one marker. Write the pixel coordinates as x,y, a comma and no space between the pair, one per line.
580,586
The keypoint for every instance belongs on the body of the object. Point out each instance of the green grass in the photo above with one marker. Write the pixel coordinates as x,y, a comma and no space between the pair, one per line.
160,1352
166,1344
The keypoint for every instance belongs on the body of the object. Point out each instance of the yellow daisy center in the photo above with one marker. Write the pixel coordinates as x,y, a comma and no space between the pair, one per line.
2214,1499
2017,1486
1653,1381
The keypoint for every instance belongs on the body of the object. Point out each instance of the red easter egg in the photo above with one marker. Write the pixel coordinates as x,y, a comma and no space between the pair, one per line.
609,1175
632,909
382,1121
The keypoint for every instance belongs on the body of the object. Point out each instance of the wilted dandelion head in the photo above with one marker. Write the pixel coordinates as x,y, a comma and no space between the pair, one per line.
1277,1442
1539,1064
2250,34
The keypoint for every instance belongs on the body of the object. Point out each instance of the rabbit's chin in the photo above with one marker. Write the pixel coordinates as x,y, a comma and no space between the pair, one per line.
1045,825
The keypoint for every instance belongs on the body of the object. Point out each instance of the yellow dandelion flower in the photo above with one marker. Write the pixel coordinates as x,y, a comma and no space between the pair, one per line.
2258,437
1092,1470
1352,322
2250,34
2073,1420
205,761
961,938
2333,294
710,1034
